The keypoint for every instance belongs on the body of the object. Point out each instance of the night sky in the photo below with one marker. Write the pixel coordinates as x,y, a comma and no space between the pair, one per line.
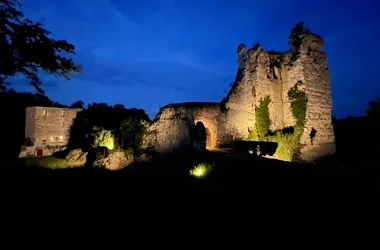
149,53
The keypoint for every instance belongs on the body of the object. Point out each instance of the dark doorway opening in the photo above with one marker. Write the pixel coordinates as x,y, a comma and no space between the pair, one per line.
39,152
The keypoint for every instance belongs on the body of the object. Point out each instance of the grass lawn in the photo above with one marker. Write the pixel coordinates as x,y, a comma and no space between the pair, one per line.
49,162
239,198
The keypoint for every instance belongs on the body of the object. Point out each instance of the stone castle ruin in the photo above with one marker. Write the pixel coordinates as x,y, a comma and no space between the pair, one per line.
276,97
47,130
273,92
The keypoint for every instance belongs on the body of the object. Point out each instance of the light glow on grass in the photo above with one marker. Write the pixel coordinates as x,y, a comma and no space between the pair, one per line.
201,170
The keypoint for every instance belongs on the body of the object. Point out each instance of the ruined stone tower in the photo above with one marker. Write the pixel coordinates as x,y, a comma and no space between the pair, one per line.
47,130
261,75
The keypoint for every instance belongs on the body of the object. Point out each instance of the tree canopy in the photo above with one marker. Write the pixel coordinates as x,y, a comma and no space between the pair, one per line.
27,49
78,104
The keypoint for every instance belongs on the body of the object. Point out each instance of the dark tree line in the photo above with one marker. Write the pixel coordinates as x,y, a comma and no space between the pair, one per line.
357,138
125,124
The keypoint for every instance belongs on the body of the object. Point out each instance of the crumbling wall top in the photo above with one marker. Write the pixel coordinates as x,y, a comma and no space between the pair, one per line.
301,38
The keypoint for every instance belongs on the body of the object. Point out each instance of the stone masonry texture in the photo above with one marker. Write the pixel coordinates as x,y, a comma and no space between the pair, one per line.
49,128
260,74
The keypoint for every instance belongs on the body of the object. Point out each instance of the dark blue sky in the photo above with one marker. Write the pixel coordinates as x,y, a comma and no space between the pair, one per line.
149,53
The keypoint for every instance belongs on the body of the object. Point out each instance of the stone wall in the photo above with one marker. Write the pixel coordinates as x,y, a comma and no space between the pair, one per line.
317,85
171,129
262,74
49,128
239,105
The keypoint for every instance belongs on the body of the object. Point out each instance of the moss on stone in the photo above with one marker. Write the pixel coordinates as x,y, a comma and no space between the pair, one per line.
298,105
262,118
288,144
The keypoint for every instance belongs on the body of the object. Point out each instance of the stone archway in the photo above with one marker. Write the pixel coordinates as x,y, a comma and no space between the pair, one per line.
211,132
208,138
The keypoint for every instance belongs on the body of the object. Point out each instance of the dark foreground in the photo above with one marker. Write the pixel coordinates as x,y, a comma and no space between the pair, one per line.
245,199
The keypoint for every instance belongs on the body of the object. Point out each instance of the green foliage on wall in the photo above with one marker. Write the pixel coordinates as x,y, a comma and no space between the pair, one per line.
262,118
298,105
288,143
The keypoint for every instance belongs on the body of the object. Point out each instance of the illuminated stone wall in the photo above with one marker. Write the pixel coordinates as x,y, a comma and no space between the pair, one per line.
261,74
171,129
49,128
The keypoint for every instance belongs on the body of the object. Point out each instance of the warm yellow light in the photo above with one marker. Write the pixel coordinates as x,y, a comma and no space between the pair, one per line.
201,170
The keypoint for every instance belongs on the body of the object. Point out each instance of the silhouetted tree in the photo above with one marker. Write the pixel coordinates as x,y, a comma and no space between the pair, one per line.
373,111
78,105
25,48
110,118
132,132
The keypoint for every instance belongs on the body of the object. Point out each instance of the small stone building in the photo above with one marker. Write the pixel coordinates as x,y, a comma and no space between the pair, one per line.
47,130
260,74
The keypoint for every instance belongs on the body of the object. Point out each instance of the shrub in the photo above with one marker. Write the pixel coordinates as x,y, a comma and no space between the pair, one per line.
129,152
288,145
103,138
253,135
132,133
201,170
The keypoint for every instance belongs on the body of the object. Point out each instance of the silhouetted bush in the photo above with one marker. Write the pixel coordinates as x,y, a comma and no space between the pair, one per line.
127,125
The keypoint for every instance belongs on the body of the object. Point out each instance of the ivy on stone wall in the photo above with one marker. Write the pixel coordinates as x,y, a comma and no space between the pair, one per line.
298,104
262,126
288,143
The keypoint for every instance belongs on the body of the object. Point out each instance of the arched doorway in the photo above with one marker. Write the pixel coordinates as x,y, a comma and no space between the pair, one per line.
201,136
208,138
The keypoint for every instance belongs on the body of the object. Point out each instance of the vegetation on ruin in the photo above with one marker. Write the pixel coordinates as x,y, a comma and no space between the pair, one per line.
132,133
298,104
128,125
262,126
27,49
103,138
288,142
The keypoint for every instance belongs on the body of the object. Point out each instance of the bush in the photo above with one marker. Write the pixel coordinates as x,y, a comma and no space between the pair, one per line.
253,136
132,133
201,170
288,145
103,138
129,152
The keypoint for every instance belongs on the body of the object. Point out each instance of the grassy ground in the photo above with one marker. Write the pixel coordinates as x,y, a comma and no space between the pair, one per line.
49,162
240,198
